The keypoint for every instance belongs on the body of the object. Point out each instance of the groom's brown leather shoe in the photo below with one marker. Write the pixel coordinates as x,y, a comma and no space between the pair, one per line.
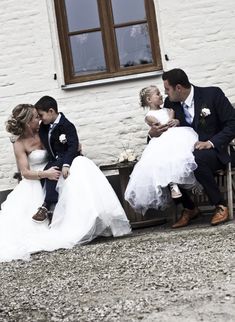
221,215
41,215
187,215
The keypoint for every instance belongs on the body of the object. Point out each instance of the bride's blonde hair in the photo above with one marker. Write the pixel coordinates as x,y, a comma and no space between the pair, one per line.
145,93
21,115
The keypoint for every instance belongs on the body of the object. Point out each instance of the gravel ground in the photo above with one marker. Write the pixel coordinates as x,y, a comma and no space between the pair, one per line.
155,274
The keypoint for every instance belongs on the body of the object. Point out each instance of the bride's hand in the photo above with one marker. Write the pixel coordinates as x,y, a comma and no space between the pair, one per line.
53,173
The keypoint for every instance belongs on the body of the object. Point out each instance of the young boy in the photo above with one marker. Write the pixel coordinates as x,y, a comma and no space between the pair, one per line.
59,137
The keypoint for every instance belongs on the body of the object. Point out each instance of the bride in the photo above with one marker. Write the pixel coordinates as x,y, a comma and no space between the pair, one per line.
87,207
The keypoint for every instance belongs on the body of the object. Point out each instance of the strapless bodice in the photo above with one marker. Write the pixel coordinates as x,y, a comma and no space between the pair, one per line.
37,158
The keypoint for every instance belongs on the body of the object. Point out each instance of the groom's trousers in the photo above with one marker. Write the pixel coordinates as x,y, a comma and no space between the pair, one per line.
208,163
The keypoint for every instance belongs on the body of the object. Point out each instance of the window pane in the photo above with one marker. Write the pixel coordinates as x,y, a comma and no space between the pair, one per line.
128,10
82,14
88,53
134,45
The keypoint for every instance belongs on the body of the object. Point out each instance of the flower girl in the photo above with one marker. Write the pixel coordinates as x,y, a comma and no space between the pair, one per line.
167,160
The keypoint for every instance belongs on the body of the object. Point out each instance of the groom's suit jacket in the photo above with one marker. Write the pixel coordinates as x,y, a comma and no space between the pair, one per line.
218,127
63,144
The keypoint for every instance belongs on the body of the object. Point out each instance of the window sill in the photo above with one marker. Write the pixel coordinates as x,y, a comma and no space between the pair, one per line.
112,80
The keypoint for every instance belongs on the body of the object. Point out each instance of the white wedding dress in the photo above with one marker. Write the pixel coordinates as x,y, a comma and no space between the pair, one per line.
88,207
167,158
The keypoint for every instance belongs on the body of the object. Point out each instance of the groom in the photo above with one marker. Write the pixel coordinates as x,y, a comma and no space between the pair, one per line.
59,137
211,115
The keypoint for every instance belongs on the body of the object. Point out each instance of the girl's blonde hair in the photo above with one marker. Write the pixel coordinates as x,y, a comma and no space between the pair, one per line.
145,93
21,115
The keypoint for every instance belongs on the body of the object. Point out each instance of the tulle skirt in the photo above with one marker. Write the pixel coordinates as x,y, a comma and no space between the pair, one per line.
166,159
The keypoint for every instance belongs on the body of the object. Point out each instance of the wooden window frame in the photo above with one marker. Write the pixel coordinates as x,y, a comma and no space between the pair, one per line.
107,28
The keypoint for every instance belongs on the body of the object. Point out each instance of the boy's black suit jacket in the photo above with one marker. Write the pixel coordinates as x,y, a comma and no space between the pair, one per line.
218,127
61,152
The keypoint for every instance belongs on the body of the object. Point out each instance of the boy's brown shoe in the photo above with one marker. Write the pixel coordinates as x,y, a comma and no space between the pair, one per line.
41,215
221,215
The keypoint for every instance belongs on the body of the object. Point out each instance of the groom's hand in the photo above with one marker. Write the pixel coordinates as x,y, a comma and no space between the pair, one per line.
65,171
173,123
200,145
157,129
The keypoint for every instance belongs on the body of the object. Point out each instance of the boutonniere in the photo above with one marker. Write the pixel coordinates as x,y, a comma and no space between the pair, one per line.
205,111
62,138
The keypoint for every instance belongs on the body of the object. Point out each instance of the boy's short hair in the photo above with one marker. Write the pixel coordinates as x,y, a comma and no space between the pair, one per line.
45,103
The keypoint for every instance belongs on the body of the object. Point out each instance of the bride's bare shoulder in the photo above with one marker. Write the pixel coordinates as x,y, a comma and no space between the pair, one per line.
24,145
19,147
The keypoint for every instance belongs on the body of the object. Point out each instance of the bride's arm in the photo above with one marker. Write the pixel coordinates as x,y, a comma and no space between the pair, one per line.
23,165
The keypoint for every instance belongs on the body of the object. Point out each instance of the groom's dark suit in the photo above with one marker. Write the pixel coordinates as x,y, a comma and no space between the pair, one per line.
62,146
218,127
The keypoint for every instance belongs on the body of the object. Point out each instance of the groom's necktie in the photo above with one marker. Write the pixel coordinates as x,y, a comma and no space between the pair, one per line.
188,116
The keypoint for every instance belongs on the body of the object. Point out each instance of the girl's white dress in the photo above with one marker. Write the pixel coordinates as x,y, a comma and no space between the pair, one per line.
87,207
167,158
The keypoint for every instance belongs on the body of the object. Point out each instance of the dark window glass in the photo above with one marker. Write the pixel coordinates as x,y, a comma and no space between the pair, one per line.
134,45
128,10
82,14
88,54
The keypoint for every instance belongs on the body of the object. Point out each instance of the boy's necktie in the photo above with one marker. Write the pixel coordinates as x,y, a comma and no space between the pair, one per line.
49,137
51,128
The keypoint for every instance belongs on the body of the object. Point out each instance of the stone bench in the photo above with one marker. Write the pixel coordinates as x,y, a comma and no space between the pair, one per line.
224,178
